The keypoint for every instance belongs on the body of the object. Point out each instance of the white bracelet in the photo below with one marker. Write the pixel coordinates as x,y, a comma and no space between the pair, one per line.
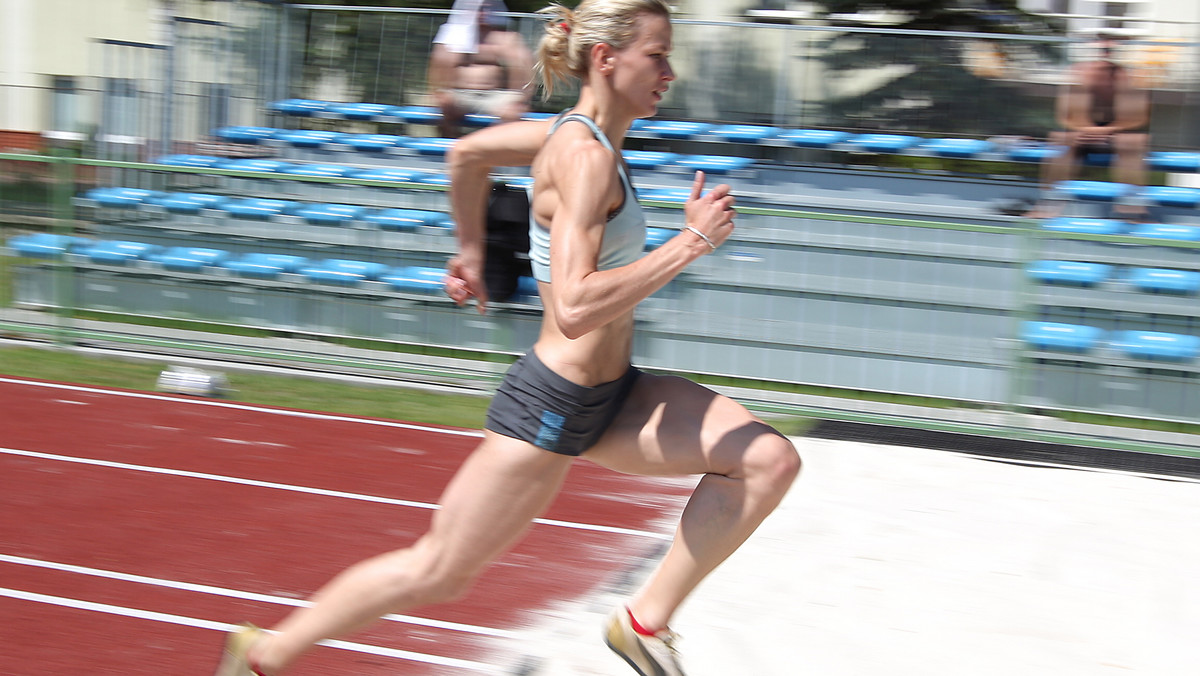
702,236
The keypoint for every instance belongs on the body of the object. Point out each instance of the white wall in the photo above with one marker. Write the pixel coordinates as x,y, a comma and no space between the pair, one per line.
41,39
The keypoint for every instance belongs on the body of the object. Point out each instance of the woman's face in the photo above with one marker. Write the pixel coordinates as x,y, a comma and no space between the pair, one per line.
642,70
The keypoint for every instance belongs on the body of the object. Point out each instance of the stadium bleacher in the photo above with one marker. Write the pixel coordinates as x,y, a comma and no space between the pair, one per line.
847,289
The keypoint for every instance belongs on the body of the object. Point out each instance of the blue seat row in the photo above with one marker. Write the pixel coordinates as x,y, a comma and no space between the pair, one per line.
966,148
1150,280
316,213
1106,191
1179,232
256,265
434,147
249,208
44,245
324,170
1079,339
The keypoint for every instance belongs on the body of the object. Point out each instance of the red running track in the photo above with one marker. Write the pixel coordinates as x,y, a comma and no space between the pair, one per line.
137,528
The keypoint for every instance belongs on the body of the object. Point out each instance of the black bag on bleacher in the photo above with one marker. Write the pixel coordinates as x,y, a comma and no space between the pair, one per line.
507,241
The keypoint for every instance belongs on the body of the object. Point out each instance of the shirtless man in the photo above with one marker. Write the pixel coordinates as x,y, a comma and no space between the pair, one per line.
477,66
1101,110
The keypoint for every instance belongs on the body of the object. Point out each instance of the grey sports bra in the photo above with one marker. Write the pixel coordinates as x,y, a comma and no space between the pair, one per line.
624,233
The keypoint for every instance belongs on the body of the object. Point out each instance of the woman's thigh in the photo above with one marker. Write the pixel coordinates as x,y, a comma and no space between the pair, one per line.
492,499
670,426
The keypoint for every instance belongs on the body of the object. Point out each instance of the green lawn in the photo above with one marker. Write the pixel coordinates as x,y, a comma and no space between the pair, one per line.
388,402
396,403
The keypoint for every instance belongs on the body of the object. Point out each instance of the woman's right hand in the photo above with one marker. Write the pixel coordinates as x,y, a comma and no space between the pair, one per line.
712,214
464,281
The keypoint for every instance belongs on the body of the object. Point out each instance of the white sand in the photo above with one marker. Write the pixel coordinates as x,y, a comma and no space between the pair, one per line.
890,561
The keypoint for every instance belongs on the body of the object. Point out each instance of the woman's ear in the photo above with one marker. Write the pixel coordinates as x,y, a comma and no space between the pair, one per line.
602,57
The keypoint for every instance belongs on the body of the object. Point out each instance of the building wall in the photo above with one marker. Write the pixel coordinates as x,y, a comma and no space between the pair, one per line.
42,39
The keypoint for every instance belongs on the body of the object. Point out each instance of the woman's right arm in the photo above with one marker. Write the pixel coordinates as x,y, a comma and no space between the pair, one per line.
471,161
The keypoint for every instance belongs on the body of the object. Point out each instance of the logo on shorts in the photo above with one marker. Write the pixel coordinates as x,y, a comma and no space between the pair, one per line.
552,424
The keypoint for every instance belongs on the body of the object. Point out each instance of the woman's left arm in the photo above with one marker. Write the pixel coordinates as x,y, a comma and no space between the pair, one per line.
586,298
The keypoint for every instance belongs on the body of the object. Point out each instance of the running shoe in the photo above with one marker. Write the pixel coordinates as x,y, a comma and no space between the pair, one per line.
234,662
648,655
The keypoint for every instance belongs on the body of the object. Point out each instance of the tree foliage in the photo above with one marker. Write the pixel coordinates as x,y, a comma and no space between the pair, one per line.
938,84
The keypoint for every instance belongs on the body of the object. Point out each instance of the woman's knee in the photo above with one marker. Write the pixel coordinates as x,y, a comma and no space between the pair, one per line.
773,459
425,576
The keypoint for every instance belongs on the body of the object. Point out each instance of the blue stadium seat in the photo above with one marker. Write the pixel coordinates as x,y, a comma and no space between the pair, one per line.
1033,152
656,237
254,164
1093,226
188,202
1156,345
673,129
1173,161
318,170
190,259
1171,196
957,147
255,208
1097,159
1163,280
715,164
644,159
1093,191
432,178
1060,337
118,252
430,146
264,265
884,143
415,279
744,133
200,161
417,114
299,107
121,198
359,111
814,138
407,219
251,135
343,272
527,287
329,214
1170,231
45,245
673,195
373,142
542,116
307,138
393,174
479,120
1074,273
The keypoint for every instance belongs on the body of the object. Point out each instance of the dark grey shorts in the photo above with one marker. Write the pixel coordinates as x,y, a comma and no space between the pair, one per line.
537,405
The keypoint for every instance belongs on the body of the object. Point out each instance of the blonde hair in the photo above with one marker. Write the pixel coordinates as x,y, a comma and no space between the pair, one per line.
570,35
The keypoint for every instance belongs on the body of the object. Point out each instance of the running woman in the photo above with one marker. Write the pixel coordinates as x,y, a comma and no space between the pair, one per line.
575,394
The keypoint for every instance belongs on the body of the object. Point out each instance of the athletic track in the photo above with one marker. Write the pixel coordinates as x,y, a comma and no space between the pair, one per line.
137,528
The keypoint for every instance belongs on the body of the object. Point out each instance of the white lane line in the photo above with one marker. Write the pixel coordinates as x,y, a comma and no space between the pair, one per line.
244,407
310,491
243,595
224,628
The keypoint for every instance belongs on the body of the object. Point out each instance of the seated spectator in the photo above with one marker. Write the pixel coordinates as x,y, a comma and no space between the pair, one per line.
1102,111
479,66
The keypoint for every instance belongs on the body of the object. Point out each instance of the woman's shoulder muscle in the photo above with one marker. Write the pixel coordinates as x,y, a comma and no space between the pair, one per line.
577,166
